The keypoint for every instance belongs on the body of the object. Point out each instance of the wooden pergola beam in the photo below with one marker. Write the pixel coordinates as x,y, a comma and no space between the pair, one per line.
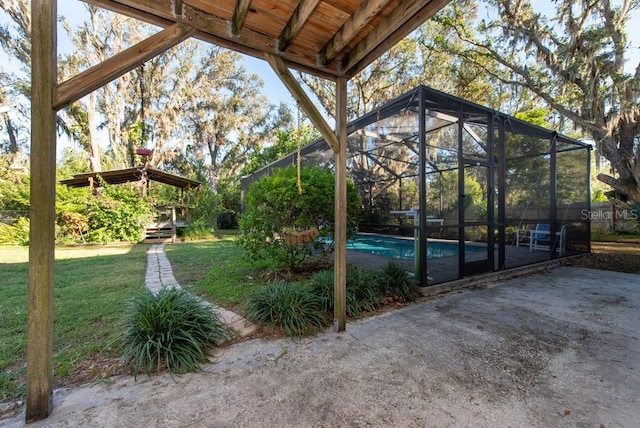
119,64
361,17
281,70
213,30
386,34
239,15
41,211
299,16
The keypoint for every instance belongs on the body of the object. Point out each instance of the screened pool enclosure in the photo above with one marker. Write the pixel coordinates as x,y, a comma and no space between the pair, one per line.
451,189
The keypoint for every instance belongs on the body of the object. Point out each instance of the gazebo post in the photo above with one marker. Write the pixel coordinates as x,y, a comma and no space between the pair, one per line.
42,211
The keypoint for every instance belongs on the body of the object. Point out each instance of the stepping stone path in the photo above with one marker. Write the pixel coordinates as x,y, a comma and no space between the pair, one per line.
160,275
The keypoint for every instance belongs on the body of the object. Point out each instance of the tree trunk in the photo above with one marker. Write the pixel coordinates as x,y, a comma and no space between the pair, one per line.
94,146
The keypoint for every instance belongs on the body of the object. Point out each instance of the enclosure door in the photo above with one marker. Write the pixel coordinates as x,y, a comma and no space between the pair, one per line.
476,210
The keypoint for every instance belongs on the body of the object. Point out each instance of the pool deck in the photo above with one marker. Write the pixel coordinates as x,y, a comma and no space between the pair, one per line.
445,269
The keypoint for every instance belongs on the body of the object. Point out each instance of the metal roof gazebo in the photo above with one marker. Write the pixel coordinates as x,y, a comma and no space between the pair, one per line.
333,39
126,175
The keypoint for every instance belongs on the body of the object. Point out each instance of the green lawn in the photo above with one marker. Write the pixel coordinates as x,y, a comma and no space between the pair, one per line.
92,283
215,270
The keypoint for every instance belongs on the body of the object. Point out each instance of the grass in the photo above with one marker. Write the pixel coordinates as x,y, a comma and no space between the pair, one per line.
94,282
215,269
91,285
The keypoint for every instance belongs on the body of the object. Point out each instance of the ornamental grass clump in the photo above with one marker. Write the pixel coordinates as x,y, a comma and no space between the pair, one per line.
171,330
363,290
396,284
289,306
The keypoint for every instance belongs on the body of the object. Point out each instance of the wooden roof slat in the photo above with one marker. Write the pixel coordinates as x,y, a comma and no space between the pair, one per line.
362,16
385,35
298,18
327,38
239,15
119,176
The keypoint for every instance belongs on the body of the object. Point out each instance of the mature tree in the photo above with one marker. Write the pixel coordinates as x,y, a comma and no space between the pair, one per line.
16,38
575,62
13,89
287,141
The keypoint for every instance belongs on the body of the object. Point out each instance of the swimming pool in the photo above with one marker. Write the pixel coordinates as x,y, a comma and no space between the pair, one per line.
399,248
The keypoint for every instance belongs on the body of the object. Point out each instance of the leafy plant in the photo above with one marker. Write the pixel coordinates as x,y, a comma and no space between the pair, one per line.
363,290
198,229
73,225
366,288
289,306
321,284
275,208
395,283
172,329
227,219
118,214
16,233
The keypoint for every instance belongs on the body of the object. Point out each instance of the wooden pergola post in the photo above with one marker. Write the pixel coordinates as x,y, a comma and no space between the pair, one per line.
42,210
46,98
338,142
340,238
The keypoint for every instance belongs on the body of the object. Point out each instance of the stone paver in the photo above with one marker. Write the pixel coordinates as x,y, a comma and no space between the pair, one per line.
159,275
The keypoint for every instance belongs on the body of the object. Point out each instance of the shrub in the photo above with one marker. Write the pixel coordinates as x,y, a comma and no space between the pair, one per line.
227,220
15,234
73,225
395,283
363,290
119,213
172,329
321,284
366,288
198,229
275,211
289,306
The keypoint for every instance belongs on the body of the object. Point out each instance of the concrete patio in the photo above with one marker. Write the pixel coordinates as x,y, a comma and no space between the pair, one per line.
557,348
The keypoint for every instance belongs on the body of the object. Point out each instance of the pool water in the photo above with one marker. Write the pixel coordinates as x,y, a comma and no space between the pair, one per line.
398,248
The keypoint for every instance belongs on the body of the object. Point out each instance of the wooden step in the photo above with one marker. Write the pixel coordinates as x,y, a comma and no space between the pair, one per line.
159,234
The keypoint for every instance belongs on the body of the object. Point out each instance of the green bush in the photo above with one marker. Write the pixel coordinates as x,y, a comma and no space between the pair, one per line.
395,283
198,229
366,289
275,211
16,233
72,226
227,220
172,329
289,306
119,213
321,284
363,290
